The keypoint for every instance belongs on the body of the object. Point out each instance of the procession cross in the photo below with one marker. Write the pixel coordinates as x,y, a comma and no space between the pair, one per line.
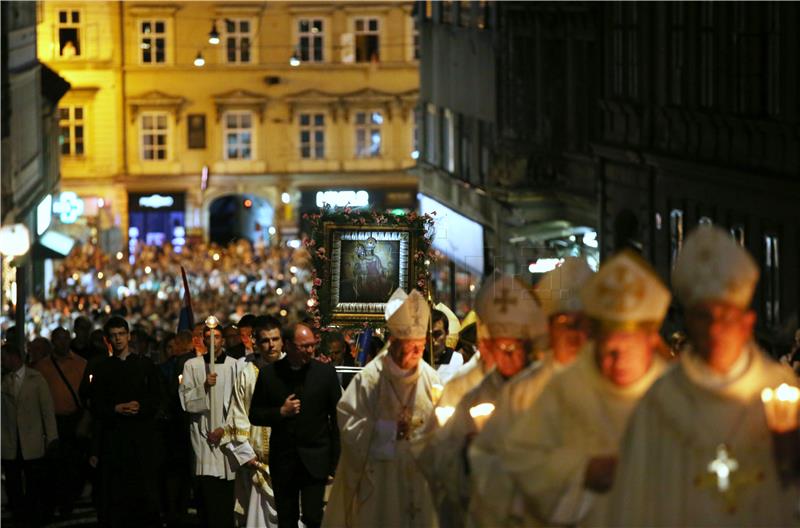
504,300
722,467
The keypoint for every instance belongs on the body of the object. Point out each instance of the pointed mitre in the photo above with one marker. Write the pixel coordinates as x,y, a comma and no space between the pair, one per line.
558,291
407,315
713,267
507,308
453,326
625,293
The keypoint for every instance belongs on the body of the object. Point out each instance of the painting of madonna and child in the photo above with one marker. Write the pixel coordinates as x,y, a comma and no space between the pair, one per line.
370,269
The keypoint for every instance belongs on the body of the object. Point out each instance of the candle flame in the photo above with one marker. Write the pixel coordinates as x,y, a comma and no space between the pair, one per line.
443,414
787,393
482,409
767,395
90,378
180,379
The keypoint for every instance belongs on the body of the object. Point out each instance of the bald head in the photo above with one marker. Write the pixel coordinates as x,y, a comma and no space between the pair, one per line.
302,345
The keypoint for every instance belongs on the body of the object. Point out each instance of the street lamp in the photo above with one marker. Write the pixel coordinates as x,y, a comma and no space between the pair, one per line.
213,35
15,240
199,61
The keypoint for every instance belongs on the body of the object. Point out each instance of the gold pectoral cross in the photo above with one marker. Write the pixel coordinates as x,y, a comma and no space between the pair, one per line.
723,473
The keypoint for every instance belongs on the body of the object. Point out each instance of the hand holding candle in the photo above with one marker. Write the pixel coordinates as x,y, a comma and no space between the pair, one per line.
481,413
781,407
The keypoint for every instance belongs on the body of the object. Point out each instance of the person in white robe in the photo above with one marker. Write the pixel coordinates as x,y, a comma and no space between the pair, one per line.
206,393
448,370
511,320
248,443
699,451
494,500
561,453
385,413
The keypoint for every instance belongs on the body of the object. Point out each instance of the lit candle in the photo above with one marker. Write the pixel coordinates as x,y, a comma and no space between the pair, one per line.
436,392
90,378
212,323
180,379
443,414
781,406
480,413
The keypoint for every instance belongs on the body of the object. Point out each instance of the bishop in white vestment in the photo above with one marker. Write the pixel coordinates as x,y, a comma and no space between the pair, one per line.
511,320
561,453
384,414
495,501
699,451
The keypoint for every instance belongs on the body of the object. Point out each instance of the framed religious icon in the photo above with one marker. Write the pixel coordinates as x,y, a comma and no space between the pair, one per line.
367,264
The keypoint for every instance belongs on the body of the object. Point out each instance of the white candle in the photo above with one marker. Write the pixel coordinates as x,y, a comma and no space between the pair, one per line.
781,407
180,379
90,378
212,323
443,414
480,414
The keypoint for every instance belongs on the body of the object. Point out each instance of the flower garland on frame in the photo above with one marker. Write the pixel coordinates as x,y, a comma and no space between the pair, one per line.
348,216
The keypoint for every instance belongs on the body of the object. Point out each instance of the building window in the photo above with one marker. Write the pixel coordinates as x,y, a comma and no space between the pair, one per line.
71,138
774,58
675,234
466,166
69,33
750,67
153,41
367,32
312,136
772,285
708,50
625,50
447,11
238,39
464,12
482,20
485,152
311,39
415,132
368,134
154,132
415,37
238,135
448,142
677,53
432,135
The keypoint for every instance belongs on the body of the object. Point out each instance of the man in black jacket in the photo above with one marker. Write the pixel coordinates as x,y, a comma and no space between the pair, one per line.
297,398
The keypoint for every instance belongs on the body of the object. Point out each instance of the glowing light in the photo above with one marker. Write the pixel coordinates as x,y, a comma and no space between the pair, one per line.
199,61
215,257
480,414
75,276
310,303
99,274
278,291
293,269
414,154
443,414
15,240
543,265
211,322
119,255
436,392
472,287
590,239
148,269
781,407
294,280
272,230
283,313
286,198
723,466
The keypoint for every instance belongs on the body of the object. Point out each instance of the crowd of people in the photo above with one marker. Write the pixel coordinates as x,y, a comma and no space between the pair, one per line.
557,405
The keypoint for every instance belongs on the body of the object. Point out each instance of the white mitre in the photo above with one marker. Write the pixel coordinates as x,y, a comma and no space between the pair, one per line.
453,325
558,291
407,315
507,308
625,293
713,267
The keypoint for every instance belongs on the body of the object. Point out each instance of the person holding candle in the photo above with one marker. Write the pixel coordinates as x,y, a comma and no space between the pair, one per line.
495,501
510,322
206,392
699,449
384,416
125,396
561,453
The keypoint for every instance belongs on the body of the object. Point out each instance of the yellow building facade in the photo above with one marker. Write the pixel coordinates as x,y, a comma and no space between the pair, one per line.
199,100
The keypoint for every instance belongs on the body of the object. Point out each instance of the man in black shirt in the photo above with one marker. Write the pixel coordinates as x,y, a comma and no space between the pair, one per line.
126,394
297,398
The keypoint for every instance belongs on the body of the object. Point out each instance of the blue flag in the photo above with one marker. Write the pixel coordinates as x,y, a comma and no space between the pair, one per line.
186,317
363,345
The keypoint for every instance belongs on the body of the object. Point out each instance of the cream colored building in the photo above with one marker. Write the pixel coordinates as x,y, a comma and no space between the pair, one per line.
143,117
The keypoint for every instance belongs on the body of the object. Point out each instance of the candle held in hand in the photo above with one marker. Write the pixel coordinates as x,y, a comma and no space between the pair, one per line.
781,407
443,414
480,414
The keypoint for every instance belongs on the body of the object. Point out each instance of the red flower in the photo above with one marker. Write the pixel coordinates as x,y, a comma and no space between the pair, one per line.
317,282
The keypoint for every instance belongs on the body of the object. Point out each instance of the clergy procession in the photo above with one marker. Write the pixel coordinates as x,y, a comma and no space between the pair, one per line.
557,404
